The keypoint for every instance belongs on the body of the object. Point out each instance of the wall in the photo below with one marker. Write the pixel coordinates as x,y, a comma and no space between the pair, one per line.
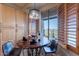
12,25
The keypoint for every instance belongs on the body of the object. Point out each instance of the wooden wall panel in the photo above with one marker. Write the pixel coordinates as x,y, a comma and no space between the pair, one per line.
8,35
19,18
20,21
8,24
8,16
25,25
61,23
19,33
12,25
78,27
0,27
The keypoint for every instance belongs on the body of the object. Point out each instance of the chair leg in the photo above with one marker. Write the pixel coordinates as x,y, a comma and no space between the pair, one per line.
45,54
39,51
28,52
36,50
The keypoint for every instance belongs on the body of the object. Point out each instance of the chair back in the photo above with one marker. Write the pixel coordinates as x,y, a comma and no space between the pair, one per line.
24,39
7,48
53,45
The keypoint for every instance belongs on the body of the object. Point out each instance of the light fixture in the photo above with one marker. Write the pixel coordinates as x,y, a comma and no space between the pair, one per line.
34,13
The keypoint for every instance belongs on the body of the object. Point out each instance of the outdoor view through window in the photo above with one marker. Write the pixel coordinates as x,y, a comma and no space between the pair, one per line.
51,28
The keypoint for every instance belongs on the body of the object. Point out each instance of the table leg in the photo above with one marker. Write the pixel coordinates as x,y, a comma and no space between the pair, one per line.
39,51
23,51
36,50
28,52
32,51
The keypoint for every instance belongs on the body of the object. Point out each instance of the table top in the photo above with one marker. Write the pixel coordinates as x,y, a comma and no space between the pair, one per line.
26,44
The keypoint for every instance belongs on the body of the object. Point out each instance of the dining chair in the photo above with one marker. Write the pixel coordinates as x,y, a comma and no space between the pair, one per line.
24,39
51,49
9,50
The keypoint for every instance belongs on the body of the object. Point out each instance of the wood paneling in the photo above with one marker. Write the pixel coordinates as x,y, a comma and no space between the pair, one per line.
12,25
19,18
61,24
77,28
0,27
8,23
20,21
8,16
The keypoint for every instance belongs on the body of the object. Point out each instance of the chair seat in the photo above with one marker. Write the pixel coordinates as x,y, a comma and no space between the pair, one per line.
49,50
15,52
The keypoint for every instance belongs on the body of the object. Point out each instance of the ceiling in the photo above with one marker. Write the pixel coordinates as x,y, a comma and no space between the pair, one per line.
41,6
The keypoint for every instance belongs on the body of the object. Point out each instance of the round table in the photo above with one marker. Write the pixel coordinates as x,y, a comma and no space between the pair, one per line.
27,45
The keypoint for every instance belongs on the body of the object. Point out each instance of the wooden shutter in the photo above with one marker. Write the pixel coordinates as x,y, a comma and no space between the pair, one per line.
73,27
71,24
61,23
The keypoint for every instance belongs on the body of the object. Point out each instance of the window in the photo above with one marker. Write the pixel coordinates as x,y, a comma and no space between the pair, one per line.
45,29
71,26
50,27
53,28
32,27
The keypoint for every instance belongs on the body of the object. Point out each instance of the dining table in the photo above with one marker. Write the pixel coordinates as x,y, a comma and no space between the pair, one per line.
38,45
